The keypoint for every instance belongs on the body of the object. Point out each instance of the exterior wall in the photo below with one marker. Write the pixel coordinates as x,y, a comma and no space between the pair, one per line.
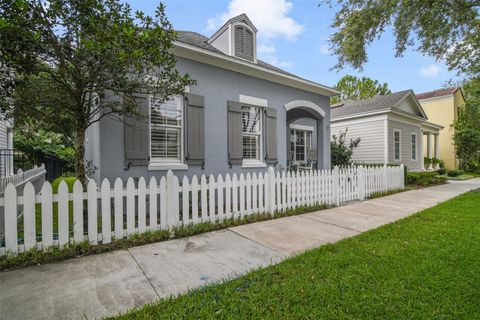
217,86
406,129
444,111
3,135
371,132
92,151
222,42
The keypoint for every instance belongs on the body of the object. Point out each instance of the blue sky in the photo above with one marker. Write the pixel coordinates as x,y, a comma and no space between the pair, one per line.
293,35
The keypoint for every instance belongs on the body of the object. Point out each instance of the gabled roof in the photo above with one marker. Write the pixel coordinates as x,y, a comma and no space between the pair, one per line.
200,41
241,17
379,103
437,93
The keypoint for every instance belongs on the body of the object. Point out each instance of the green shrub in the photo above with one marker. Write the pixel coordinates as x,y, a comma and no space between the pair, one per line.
454,173
442,171
425,178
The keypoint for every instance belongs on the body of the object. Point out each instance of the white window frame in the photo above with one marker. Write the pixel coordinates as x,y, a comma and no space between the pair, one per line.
252,163
305,130
416,146
399,145
168,164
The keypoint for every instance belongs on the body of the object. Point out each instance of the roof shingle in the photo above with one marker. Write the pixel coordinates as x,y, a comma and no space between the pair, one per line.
382,102
437,93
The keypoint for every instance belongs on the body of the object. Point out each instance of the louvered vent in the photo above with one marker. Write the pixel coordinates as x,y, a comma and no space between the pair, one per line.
239,41
248,44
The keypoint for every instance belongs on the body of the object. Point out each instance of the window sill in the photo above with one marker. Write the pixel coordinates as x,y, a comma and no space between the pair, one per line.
254,165
167,166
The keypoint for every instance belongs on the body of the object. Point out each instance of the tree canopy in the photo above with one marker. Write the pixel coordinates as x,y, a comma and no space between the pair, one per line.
354,88
444,29
84,51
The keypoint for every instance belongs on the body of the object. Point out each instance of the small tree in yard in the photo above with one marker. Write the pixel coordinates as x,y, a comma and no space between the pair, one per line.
341,151
86,49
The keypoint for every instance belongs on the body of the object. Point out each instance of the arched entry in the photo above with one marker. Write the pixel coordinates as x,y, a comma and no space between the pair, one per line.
306,133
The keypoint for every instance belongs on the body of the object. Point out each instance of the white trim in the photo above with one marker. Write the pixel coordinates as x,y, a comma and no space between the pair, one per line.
416,146
153,166
253,164
253,100
302,104
399,145
224,61
444,97
300,127
385,142
415,101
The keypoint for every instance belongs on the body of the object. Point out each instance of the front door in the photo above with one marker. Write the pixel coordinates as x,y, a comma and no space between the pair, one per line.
300,145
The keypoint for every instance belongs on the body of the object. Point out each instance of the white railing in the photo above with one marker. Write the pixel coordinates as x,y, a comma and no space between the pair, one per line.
135,208
20,177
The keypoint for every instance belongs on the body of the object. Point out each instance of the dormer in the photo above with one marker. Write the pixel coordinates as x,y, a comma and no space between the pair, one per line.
237,38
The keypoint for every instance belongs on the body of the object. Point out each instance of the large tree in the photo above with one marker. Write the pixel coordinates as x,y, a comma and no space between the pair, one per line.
467,128
84,50
444,29
354,88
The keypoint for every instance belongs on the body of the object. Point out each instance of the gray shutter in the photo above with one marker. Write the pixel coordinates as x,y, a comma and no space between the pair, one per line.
195,129
249,44
271,135
136,135
238,41
235,145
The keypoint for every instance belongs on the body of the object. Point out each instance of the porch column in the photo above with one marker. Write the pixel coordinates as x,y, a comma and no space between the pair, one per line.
430,148
437,149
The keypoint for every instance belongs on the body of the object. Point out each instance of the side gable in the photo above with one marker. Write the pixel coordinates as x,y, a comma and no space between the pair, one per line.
410,104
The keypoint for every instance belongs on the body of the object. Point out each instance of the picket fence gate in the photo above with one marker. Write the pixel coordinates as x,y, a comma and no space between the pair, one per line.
21,176
136,208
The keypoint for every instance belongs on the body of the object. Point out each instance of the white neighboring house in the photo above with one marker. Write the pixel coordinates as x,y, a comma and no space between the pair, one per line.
6,147
391,128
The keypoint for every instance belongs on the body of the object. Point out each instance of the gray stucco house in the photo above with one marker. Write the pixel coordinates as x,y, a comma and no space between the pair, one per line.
391,128
242,115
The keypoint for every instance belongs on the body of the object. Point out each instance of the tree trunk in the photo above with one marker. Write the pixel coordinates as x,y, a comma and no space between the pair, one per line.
79,155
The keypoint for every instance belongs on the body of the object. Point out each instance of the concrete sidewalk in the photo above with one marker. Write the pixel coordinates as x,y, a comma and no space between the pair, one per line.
113,283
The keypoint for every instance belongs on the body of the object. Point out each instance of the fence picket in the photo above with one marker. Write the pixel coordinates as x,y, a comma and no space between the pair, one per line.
242,195
195,216
234,195
163,203
220,187
254,193
29,227
11,239
47,215
185,201
211,198
152,204
118,207
203,195
142,205
130,206
106,212
248,194
228,196
92,212
261,183
78,211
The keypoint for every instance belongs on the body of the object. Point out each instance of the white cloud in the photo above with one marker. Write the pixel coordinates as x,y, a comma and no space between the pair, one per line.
325,49
270,17
430,71
266,48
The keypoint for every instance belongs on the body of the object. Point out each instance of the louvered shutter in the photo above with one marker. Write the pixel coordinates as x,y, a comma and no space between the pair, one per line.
239,41
248,44
235,146
271,135
195,129
136,135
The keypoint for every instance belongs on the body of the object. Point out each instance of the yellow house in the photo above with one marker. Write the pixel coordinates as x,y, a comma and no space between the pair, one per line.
441,107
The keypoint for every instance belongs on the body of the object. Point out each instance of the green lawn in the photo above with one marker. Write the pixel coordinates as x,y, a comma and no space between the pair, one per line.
426,266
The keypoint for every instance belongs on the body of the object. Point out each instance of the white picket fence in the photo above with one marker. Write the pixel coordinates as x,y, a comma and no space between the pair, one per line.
137,207
20,177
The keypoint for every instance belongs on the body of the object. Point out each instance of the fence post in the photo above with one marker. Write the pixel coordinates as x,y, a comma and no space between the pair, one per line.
172,200
270,205
336,188
361,183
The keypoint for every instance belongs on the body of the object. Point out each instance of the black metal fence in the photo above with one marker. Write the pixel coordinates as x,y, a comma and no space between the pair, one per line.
11,160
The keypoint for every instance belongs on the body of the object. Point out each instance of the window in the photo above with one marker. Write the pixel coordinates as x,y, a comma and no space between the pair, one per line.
244,43
414,146
166,134
300,144
396,144
252,134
